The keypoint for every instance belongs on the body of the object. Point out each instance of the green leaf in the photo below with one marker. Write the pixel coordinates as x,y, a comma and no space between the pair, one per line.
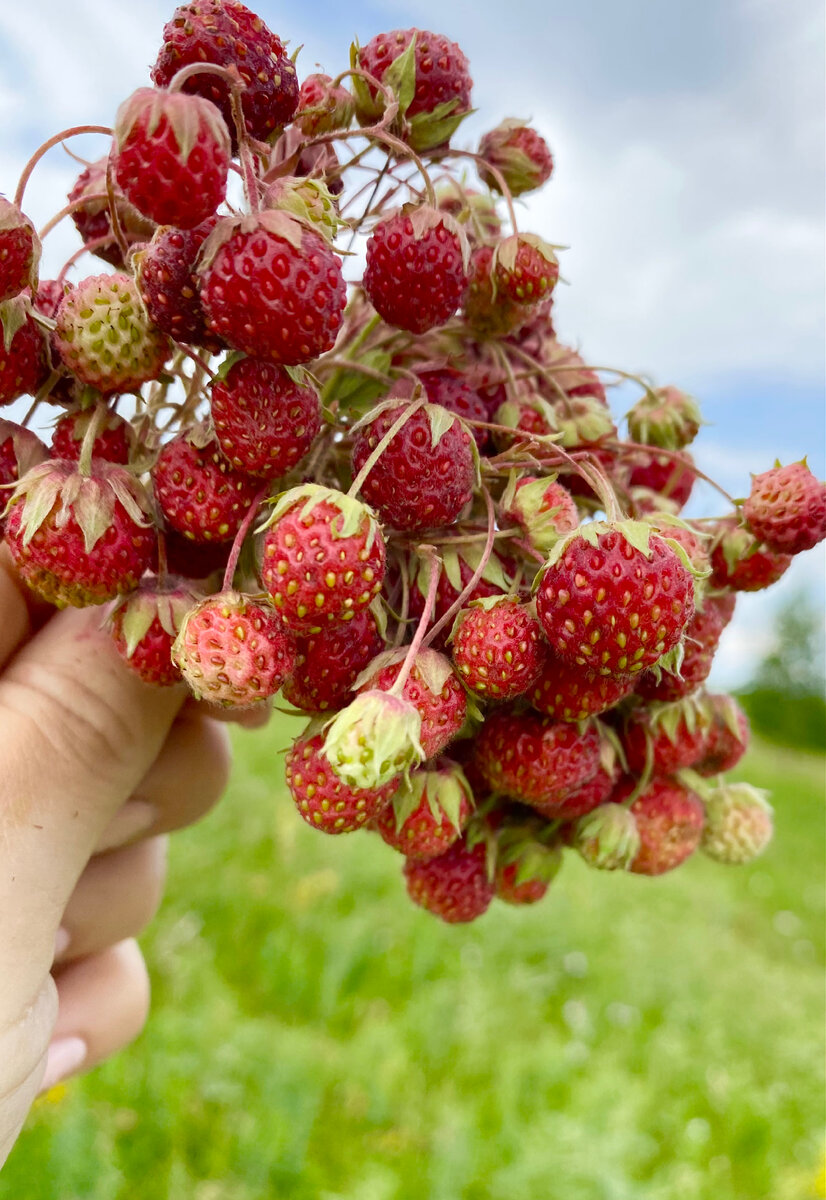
400,76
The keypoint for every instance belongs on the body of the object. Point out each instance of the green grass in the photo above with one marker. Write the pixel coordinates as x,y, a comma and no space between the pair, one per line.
316,1036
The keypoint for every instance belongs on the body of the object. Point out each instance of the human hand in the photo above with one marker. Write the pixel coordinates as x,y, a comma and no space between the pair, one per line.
94,767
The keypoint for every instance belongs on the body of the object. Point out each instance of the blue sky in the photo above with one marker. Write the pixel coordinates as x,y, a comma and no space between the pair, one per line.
689,142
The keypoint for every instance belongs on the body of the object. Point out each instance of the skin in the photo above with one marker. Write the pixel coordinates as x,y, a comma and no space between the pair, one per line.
95,768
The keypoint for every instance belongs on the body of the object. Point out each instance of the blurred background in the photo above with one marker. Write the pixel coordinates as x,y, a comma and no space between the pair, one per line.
313,1034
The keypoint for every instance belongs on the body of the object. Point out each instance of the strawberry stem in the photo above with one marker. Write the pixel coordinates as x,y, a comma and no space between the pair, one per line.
383,444
87,446
475,577
53,141
429,555
235,552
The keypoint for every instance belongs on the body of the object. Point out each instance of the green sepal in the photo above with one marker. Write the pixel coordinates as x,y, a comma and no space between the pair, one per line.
373,739
427,131
14,314
353,512
400,76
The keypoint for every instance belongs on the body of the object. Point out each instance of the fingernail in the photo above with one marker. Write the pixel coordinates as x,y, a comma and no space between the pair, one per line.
65,1056
61,942
129,822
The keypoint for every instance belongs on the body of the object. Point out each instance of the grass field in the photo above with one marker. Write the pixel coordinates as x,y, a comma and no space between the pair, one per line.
316,1037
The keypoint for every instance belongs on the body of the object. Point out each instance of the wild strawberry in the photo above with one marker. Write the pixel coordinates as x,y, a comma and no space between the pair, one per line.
452,390
702,636
329,662
498,648
668,475
455,886
786,509
738,824
475,212
114,440
416,268
232,651
265,420
24,365
583,421
227,34
487,313
434,69
693,543
323,107
740,564
590,795
425,476
310,200
568,692
168,283
727,737
663,738
526,860
93,220
19,251
458,568
665,417
79,539
614,598
145,624
528,415
322,558
20,450
520,154
525,268
669,821
323,799
428,812
104,336
272,287
198,494
608,838
171,156
432,688
542,508
534,759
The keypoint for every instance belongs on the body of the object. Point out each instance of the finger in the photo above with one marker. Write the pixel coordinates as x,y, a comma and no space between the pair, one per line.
79,733
103,1002
188,777
16,624
116,897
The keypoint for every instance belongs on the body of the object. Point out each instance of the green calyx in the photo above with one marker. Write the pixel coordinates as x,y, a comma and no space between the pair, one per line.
354,516
608,838
536,859
665,417
309,201
187,115
582,420
446,790
526,502
518,169
374,739
149,603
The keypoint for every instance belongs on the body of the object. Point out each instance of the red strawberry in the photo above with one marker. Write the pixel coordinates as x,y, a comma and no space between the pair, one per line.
198,494
425,475
727,739
526,860
452,390
20,450
322,558
114,440
665,737
323,107
542,508
323,800
272,287
104,336
498,648
79,539
265,421
665,417
528,415
786,509
702,636
432,688
668,475
669,821
519,153
93,220
168,283
568,692
740,564
534,759
329,662
19,251
232,651
439,78
526,269
455,886
193,560
614,604
487,312
428,813
23,362
416,268
145,625
171,156
589,795
227,34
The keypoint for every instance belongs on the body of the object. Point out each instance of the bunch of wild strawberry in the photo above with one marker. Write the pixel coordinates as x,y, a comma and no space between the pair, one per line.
402,504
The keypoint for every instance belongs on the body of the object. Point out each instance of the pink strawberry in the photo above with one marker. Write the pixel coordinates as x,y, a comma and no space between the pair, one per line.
498,648
329,662
114,440
669,821
664,738
79,539
727,738
455,886
432,688
425,475
171,156
520,154
614,598
668,475
19,251
145,624
322,558
323,799
786,509
227,34
232,651
265,420
93,220
428,813
568,692
740,563
665,417
23,360
323,107
589,795
542,508
272,287
168,283
487,313
198,494
416,268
